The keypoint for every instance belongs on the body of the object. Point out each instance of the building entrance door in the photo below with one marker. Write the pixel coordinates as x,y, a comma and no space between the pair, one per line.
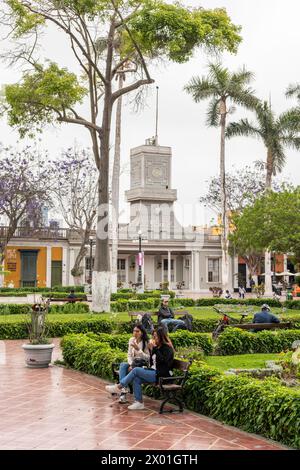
56,273
28,268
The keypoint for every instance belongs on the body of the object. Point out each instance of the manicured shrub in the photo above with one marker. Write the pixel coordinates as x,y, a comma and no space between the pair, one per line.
237,341
179,339
206,302
14,309
259,406
22,309
85,354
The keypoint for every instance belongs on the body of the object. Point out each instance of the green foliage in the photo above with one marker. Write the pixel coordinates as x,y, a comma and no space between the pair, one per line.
25,21
85,354
237,341
271,223
264,407
57,328
19,309
41,96
179,339
174,31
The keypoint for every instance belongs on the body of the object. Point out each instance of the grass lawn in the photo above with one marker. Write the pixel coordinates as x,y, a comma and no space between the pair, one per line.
197,312
243,361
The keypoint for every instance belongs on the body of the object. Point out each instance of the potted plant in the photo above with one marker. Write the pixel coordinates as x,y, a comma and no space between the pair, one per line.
38,351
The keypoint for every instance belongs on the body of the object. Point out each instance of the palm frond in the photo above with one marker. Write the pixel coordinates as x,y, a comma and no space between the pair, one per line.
289,120
213,113
293,90
200,88
220,76
242,128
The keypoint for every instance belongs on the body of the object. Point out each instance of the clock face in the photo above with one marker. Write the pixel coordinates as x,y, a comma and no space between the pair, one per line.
156,172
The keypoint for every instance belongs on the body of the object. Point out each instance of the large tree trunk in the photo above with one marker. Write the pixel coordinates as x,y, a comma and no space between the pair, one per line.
115,193
268,272
226,282
77,271
101,276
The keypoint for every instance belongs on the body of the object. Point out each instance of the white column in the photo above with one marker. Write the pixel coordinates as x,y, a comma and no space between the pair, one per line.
71,264
64,266
169,269
197,270
268,275
286,278
236,271
48,267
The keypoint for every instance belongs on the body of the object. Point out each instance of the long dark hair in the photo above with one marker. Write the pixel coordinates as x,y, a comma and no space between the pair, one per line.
163,336
144,337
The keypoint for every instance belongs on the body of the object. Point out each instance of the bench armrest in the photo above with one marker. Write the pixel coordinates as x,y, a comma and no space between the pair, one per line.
180,379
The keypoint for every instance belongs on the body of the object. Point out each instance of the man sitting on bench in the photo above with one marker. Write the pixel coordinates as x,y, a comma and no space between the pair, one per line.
166,317
72,296
265,316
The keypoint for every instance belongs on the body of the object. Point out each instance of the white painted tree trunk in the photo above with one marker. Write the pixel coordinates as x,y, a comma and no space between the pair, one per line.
226,284
1,280
268,275
101,290
115,193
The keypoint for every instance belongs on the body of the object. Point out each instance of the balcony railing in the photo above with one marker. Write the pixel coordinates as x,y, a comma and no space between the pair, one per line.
37,232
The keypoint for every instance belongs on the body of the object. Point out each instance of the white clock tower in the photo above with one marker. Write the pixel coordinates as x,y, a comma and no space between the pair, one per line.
151,197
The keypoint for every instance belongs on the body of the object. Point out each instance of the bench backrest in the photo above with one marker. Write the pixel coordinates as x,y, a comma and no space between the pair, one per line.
261,326
181,365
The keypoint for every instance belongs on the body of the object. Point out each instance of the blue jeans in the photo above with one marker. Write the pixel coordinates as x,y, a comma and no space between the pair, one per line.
123,370
171,321
137,377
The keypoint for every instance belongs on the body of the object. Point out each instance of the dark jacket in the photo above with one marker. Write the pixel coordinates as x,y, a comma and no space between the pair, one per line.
164,360
265,317
164,313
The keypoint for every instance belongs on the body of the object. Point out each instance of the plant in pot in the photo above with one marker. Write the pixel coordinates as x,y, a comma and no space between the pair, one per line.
38,351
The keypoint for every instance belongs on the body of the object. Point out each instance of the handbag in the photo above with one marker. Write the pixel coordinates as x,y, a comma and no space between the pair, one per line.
139,362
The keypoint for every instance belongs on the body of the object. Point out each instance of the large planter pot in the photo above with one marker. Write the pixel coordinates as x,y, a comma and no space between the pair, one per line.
38,356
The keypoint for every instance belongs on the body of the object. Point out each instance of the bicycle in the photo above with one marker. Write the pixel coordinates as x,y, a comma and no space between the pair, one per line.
225,320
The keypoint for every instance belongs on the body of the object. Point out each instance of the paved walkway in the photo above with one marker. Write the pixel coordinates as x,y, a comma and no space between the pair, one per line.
57,408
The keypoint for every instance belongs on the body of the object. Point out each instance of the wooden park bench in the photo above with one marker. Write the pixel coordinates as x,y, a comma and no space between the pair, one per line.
260,326
133,315
54,299
170,387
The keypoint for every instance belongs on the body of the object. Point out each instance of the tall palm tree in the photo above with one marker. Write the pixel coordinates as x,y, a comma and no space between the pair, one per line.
224,89
277,133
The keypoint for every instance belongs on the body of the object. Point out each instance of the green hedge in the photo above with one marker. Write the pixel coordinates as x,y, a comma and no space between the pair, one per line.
258,406
237,341
179,339
58,328
91,356
263,407
20,309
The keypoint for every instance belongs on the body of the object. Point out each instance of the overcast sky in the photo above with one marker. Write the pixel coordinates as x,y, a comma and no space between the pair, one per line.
270,48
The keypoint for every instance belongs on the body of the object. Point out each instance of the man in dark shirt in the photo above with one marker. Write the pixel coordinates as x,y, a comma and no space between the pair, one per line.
265,316
72,297
166,317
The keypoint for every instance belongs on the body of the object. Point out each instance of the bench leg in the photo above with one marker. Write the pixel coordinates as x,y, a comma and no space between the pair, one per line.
170,397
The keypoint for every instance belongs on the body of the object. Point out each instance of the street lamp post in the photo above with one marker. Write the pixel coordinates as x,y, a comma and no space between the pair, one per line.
140,262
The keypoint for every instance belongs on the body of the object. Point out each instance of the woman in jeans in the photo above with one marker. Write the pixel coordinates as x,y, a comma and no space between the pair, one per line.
137,348
161,361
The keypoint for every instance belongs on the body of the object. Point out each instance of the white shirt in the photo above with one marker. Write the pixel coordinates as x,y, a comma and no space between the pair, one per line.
132,352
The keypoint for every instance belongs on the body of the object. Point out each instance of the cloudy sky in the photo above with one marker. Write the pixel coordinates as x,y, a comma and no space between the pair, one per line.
270,48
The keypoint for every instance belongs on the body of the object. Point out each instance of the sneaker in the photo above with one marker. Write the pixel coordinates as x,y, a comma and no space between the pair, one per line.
123,398
137,405
112,388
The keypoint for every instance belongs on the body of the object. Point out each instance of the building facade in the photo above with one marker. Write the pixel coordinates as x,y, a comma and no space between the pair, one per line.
184,257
